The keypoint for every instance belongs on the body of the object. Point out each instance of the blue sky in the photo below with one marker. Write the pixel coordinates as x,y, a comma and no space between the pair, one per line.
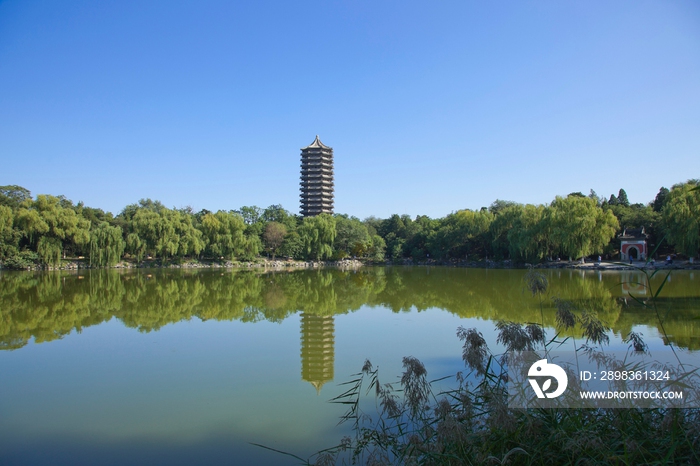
430,107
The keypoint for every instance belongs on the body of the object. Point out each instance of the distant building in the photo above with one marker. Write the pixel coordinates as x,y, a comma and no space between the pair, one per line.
316,179
633,244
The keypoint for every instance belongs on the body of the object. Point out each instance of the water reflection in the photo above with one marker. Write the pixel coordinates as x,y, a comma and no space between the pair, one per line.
317,349
47,306
633,283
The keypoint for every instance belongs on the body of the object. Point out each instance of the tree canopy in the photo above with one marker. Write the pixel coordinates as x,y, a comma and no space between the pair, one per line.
48,228
681,217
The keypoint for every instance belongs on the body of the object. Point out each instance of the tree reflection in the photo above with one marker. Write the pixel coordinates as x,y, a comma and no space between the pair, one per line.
47,306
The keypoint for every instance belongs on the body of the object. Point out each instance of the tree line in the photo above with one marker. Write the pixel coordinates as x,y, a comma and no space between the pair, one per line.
46,229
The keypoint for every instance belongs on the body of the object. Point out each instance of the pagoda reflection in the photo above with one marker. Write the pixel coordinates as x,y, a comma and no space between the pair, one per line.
317,349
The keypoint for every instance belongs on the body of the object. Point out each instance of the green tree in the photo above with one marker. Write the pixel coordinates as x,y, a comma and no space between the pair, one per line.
135,246
462,233
152,231
529,236
276,213
622,198
579,227
377,250
13,195
317,235
660,199
158,231
106,245
9,237
499,206
500,227
293,246
252,246
274,237
681,217
190,242
223,234
352,237
53,223
250,214
49,249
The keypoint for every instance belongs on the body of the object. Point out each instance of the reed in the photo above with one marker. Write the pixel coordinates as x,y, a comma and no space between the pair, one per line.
471,424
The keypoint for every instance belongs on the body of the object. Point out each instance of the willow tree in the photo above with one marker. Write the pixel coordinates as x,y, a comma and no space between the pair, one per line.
529,235
161,232
317,235
106,245
190,242
49,250
461,233
223,234
8,235
681,217
135,246
578,227
147,233
52,223
505,218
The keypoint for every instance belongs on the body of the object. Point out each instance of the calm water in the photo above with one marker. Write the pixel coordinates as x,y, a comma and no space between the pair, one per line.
183,367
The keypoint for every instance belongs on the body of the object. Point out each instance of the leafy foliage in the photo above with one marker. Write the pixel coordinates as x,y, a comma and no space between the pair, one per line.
106,245
579,227
681,216
575,226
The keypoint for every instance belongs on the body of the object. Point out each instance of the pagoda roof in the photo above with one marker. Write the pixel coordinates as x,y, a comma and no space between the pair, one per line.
317,144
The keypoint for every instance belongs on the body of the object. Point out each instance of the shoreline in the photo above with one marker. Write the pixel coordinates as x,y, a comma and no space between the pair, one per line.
80,264
593,265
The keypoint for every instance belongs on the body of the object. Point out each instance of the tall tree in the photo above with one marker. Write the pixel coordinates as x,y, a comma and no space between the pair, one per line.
106,245
499,205
660,199
622,198
579,227
351,234
8,235
377,250
681,217
250,214
529,236
13,195
53,223
317,235
223,234
190,242
499,229
276,213
462,233
274,237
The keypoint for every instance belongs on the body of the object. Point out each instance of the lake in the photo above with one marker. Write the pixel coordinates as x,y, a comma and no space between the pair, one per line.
172,366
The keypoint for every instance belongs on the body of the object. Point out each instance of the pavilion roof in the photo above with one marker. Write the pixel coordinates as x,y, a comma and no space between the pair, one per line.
633,233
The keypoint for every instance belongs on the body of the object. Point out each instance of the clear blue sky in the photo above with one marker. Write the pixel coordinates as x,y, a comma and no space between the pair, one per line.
430,107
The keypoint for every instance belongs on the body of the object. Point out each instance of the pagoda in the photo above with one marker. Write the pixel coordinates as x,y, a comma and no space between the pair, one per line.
316,179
